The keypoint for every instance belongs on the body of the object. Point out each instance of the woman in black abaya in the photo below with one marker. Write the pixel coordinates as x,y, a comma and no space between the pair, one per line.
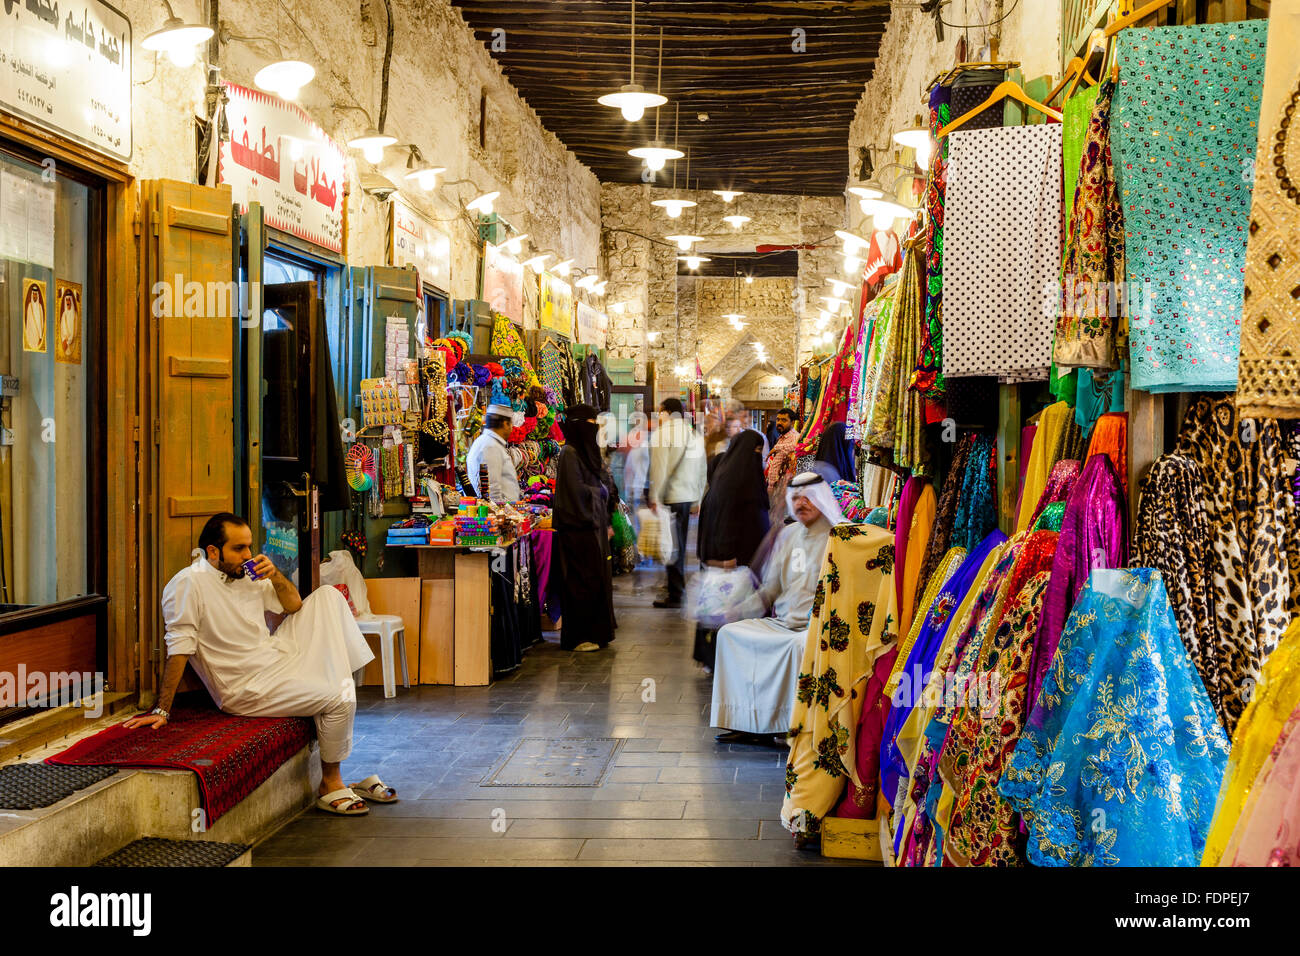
733,517
585,497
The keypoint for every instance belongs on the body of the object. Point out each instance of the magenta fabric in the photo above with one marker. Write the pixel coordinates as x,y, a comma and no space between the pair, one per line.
906,505
1059,484
1094,534
860,803
541,542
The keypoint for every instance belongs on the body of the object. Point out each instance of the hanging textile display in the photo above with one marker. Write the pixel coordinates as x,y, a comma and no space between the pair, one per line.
1002,250
1093,272
1258,816
1059,484
1094,534
1185,119
910,451
853,623
1122,733
1254,536
881,398
1076,115
1047,450
984,830
927,377
1269,375
977,505
506,342
945,515
1172,534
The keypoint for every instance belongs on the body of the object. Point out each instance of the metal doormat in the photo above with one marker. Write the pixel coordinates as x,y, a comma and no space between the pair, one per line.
155,851
30,786
556,762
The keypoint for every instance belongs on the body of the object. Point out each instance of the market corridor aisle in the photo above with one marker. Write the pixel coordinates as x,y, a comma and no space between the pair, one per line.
672,795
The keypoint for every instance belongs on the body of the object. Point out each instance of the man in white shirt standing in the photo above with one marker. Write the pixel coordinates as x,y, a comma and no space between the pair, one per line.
677,474
491,448
215,617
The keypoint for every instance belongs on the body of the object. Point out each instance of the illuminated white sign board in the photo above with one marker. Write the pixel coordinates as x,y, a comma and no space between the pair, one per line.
417,242
66,65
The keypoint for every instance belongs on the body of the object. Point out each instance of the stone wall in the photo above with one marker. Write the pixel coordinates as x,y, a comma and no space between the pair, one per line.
642,268
439,70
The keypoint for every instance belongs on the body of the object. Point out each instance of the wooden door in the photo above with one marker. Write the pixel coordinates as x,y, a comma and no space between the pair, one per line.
193,302
291,322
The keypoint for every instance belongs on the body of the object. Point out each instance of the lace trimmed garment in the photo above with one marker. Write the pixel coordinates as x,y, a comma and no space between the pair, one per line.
1185,125
1121,760
1094,254
1269,370
853,623
1003,251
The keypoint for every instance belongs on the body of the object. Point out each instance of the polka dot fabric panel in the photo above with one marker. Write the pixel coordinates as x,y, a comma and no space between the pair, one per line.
1003,257
1185,123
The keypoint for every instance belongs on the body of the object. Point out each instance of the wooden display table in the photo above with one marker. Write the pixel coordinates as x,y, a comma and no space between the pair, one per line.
455,612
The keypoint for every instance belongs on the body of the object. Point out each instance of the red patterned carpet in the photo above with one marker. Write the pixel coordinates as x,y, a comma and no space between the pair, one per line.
230,755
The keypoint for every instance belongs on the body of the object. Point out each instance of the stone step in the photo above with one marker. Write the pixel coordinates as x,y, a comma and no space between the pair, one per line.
90,824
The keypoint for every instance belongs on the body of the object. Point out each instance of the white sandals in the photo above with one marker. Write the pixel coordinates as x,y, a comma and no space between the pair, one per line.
375,790
355,806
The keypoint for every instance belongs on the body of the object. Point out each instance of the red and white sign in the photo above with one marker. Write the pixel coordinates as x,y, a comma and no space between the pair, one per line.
279,157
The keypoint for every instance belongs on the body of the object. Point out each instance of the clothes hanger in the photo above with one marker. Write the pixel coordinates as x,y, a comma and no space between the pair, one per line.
1141,13
1004,90
1072,69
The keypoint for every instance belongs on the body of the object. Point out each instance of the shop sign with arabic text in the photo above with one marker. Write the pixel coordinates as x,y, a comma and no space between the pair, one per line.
279,157
66,65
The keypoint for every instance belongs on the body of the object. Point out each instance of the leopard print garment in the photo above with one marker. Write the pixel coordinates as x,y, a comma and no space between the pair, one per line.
1253,528
1172,534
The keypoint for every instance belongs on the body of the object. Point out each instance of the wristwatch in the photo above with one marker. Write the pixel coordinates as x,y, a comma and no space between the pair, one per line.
161,713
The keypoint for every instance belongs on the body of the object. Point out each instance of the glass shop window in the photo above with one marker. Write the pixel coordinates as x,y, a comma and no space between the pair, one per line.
47,356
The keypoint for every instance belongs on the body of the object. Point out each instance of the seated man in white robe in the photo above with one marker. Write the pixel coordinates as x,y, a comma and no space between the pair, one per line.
757,667
215,617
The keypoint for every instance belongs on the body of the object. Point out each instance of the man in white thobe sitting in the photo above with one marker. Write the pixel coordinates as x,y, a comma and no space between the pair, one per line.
492,448
757,667
215,616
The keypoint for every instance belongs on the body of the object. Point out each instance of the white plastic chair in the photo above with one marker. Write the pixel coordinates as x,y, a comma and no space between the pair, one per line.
389,628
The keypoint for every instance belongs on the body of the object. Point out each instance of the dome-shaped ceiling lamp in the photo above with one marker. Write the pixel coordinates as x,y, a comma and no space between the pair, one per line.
693,262
538,263
420,172
917,138
633,99
178,39
736,221
562,268
483,203
285,78
684,242
883,212
657,154
372,144
674,206
727,194
852,241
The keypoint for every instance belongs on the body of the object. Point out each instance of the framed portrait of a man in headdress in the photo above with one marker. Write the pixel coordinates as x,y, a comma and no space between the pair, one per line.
67,322
34,315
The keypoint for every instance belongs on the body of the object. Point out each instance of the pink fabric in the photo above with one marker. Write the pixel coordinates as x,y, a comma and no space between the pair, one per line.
541,544
911,495
1268,832
1026,445
860,804
1059,484
1094,534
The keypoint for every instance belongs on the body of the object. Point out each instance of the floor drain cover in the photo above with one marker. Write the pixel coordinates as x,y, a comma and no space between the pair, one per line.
30,786
155,851
556,762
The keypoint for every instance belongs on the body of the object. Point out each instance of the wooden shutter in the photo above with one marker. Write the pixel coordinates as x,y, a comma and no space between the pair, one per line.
193,316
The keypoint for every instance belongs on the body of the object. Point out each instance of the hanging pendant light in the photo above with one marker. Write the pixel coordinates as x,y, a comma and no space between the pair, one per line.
727,194
372,144
563,268
483,203
917,138
515,244
632,99
538,263
852,241
735,221
420,172
178,39
693,262
684,242
675,205
285,78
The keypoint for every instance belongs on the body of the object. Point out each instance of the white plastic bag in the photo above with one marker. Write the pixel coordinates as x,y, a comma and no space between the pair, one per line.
656,538
725,595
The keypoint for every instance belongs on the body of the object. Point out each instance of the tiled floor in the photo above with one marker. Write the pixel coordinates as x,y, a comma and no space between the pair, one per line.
672,797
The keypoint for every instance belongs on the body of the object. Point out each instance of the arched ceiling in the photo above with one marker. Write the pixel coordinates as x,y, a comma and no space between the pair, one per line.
779,81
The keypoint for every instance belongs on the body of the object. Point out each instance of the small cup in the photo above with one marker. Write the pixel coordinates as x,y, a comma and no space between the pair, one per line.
249,569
